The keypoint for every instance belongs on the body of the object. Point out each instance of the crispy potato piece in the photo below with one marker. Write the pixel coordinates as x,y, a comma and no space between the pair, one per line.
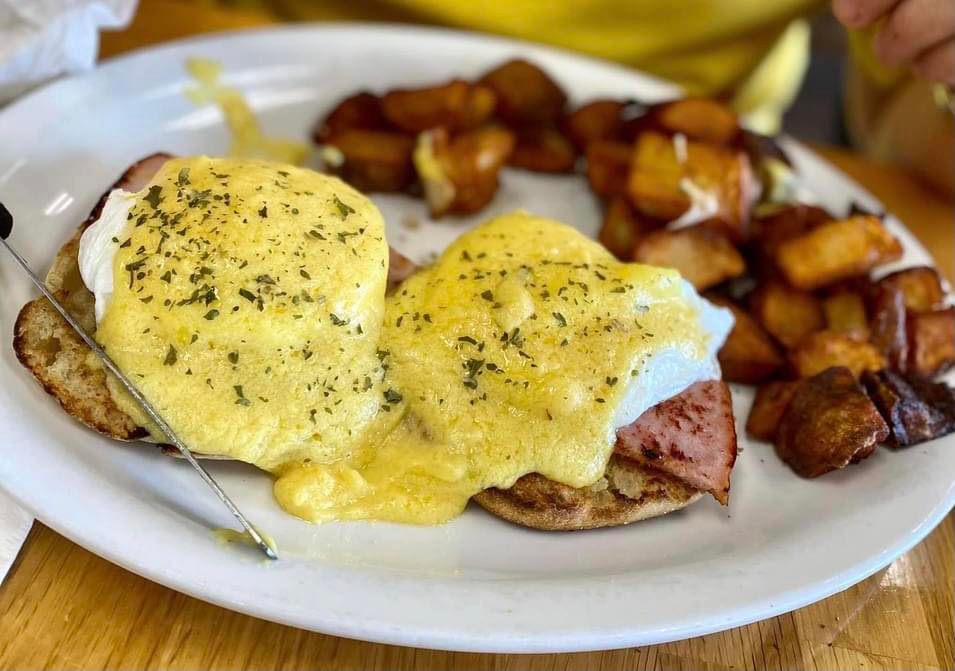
597,120
887,308
915,409
543,150
361,111
702,119
769,405
829,423
845,313
788,222
931,341
608,165
825,349
702,256
663,174
835,251
788,314
526,95
460,175
749,354
622,227
457,106
921,287
375,160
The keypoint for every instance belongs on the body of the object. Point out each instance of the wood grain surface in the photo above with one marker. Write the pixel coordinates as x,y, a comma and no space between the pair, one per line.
62,607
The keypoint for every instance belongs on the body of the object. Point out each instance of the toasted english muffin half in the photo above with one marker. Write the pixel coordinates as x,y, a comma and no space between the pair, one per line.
628,492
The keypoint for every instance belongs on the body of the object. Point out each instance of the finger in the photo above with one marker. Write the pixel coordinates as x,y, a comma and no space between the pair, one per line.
861,13
913,27
938,63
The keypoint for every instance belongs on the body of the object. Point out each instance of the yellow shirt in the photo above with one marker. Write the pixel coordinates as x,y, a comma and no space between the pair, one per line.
751,51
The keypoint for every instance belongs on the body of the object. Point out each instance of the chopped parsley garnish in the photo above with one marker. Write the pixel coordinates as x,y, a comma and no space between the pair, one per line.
247,295
392,396
171,356
211,314
344,209
561,320
153,197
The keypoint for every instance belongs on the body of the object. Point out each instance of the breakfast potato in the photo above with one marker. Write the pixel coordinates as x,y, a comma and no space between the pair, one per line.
749,354
456,106
824,349
835,251
361,111
374,160
845,313
622,227
702,119
931,341
460,174
664,172
597,120
543,150
921,287
769,405
702,256
888,324
787,314
829,423
526,95
771,230
915,409
608,165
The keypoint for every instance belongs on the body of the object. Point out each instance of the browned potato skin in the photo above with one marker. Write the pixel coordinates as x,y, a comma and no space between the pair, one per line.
931,341
888,324
915,409
608,166
829,423
375,160
845,313
786,313
472,161
749,354
361,111
701,119
701,255
457,106
543,150
526,95
921,287
597,120
824,349
769,405
835,251
623,227
772,230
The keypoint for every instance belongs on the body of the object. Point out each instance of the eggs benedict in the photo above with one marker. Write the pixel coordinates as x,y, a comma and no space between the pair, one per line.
526,367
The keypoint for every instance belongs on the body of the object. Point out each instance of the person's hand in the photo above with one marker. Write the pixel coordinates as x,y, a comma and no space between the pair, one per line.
920,33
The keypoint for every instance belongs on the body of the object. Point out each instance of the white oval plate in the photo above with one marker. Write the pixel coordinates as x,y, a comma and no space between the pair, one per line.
475,584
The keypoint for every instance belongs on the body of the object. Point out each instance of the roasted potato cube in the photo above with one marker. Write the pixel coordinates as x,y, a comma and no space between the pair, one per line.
608,165
666,175
456,106
597,120
622,227
931,341
526,95
702,256
788,314
921,286
829,423
835,251
770,403
749,354
702,119
825,349
543,150
916,410
888,324
375,160
845,313
773,229
460,174
361,111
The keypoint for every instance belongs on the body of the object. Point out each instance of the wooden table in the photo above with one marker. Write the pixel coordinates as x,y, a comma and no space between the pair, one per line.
63,607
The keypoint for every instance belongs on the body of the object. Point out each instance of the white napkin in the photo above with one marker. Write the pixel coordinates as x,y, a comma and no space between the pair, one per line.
42,39
15,524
